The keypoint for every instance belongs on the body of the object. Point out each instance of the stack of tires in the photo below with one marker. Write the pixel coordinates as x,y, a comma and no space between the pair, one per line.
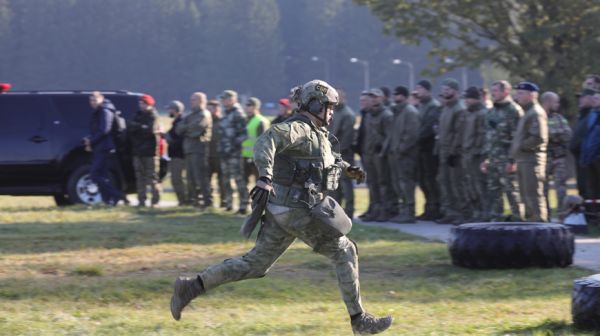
511,245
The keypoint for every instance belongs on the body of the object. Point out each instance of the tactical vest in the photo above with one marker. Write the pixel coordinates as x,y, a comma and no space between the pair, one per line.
300,176
252,130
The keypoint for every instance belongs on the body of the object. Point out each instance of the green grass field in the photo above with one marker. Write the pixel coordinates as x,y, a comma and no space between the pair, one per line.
97,271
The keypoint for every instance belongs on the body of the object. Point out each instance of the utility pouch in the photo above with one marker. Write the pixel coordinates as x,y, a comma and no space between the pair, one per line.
330,218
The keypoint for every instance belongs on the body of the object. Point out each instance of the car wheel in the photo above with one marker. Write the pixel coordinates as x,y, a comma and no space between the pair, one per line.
80,187
585,304
62,200
511,245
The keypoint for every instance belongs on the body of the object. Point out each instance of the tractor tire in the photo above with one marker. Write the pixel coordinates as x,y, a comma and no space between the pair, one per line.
585,303
511,245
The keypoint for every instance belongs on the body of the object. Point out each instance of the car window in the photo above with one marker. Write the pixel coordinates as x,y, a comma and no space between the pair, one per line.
23,112
75,110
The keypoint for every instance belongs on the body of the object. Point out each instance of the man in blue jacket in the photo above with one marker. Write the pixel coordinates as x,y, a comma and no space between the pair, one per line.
101,144
590,151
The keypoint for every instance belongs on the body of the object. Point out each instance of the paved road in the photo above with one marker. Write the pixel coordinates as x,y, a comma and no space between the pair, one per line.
587,250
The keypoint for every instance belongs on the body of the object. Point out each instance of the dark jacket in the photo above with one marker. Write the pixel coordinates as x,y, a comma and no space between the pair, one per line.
429,112
579,131
590,146
100,127
144,134
175,141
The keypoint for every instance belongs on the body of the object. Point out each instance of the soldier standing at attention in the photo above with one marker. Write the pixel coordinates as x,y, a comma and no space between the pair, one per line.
196,130
257,125
428,161
342,127
214,162
297,166
528,149
402,152
502,123
175,141
451,174
559,137
144,133
232,132
472,148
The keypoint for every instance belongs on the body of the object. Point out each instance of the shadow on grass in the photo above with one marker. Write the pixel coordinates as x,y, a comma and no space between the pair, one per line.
547,328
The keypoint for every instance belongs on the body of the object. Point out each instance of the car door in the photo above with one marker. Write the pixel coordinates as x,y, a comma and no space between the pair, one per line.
26,141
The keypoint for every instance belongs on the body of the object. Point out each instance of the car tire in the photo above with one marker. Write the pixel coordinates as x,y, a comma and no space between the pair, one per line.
80,187
585,303
511,245
62,200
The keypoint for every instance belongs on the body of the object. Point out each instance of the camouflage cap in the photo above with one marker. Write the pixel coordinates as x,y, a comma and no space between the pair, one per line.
451,83
315,89
228,94
376,92
253,101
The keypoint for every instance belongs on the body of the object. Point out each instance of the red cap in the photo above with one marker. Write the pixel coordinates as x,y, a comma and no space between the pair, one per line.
5,87
284,102
148,100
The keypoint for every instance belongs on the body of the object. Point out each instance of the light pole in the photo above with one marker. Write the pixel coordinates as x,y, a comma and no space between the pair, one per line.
465,81
411,72
365,65
325,65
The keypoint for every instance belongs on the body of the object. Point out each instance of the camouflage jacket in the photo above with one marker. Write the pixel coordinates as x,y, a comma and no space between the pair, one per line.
450,130
196,130
531,139
232,132
405,126
501,126
429,113
559,136
474,132
378,122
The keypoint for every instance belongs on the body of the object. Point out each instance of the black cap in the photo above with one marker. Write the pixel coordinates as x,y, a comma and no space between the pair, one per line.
472,92
527,86
386,91
586,92
401,90
425,84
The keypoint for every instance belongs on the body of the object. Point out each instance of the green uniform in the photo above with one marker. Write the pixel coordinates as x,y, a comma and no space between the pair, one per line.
428,162
196,129
528,149
232,132
402,151
451,175
342,127
472,157
501,125
281,154
144,133
559,137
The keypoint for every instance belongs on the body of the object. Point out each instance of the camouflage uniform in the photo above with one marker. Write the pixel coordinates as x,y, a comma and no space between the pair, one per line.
427,164
402,151
451,175
528,149
472,148
214,162
501,123
559,134
232,132
342,127
144,134
377,123
196,129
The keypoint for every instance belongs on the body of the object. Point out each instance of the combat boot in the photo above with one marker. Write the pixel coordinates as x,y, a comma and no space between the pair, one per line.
367,324
186,289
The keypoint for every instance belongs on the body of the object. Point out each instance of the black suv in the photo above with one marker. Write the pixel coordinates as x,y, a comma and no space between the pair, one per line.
41,152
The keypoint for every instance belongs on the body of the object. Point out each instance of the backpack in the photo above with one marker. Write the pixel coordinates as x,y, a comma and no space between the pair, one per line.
118,130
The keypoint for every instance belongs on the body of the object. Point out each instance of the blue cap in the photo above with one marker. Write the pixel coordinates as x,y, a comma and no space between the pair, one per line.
527,86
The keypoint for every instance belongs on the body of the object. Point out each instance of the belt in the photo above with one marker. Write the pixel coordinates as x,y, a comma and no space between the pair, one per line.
294,196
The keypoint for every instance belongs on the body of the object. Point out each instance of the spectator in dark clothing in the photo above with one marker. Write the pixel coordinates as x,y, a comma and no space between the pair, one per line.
177,162
590,152
285,111
585,106
101,144
144,132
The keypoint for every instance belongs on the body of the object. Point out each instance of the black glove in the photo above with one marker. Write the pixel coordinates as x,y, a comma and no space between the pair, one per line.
260,193
356,173
453,160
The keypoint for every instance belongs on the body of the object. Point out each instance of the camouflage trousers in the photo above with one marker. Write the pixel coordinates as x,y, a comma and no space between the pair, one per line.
500,182
176,167
198,178
345,192
231,169
281,227
557,169
532,176
475,184
146,174
214,167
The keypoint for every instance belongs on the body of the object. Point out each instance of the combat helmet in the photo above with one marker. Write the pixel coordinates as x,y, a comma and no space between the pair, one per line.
315,95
